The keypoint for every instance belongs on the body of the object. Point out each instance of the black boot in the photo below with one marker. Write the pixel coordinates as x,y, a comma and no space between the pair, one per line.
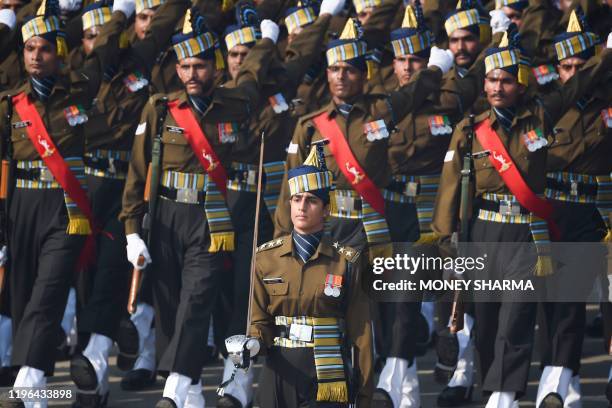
136,380
127,341
165,403
455,396
552,400
381,399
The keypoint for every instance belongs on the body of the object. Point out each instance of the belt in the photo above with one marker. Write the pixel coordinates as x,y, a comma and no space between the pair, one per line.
408,188
35,174
182,195
248,176
574,188
503,207
106,164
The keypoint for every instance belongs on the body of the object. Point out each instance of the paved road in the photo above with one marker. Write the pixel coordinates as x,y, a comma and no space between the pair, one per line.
595,366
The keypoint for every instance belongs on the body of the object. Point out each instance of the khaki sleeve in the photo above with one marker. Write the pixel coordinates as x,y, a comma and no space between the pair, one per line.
412,95
359,331
262,323
446,208
254,71
538,28
134,205
376,30
297,153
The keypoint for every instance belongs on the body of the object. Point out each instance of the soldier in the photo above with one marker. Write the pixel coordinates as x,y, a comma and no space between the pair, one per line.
579,170
191,225
416,154
43,139
109,134
310,314
512,9
510,137
273,118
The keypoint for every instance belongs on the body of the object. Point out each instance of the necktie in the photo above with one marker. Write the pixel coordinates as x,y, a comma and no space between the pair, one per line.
461,72
582,103
505,117
43,87
200,103
345,109
306,244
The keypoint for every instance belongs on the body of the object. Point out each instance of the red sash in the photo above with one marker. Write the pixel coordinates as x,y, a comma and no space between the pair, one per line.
501,160
347,162
38,135
199,144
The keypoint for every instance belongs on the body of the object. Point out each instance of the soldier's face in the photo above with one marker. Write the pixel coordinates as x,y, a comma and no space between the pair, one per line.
568,67
502,89
364,15
235,58
197,75
514,15
308,213
142,22
564,5
14,5
89,38
345,81
406,66
40,57
465,47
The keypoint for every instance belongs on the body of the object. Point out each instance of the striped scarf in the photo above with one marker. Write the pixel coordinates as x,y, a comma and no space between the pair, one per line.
78,224
425,205
274,172
604,202
505,116
215,208
43,87
331,378
306,244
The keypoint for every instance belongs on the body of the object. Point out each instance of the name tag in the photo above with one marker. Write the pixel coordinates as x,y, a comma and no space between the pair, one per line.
301,332
22,124
270,281
175,129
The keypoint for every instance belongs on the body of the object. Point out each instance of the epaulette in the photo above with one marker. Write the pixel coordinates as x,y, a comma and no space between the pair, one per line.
157,98
270,244
350,254
311,115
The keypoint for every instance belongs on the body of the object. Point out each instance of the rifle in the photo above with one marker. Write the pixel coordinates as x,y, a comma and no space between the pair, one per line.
6,186
150,196
467,176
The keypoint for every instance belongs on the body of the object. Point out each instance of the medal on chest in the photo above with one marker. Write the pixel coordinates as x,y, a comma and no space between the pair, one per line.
534,140
545,74
333,284
440,125
606,115
228,132
278,103
376,130
75,115
135,81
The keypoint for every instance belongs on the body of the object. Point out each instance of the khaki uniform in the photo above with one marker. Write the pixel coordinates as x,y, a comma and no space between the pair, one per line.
284,286
181,233
510,323
43,255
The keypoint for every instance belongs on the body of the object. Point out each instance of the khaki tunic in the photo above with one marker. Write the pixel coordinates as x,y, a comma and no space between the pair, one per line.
229,105
301,294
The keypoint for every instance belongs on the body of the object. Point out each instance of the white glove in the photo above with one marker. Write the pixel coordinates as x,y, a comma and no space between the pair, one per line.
127,7
135,248
332,7
4,258
440,58
70,5
253,346
609,43
499,21
269,29
7,17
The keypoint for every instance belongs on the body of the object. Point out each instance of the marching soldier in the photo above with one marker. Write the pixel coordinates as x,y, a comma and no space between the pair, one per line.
578,177
49,213
512,146
310,316
191,225
109,135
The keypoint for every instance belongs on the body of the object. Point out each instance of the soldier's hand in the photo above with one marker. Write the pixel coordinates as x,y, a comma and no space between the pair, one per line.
127,7
70,5
269,29
332,7
253,346
7,17
609,43
440,58
499,21
135,248
3,255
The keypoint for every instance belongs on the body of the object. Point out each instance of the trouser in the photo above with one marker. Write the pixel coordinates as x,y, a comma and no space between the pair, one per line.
289,379
242,205
41,266
185,278
110,276
505,330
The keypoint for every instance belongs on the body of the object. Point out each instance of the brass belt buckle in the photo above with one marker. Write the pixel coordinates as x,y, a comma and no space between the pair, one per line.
251,177
345,203
507,207
301,332
574,188
111,166
411,189
45,175
187,195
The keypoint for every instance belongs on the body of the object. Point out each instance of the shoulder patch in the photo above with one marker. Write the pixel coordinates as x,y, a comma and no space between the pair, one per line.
270,244
350,254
